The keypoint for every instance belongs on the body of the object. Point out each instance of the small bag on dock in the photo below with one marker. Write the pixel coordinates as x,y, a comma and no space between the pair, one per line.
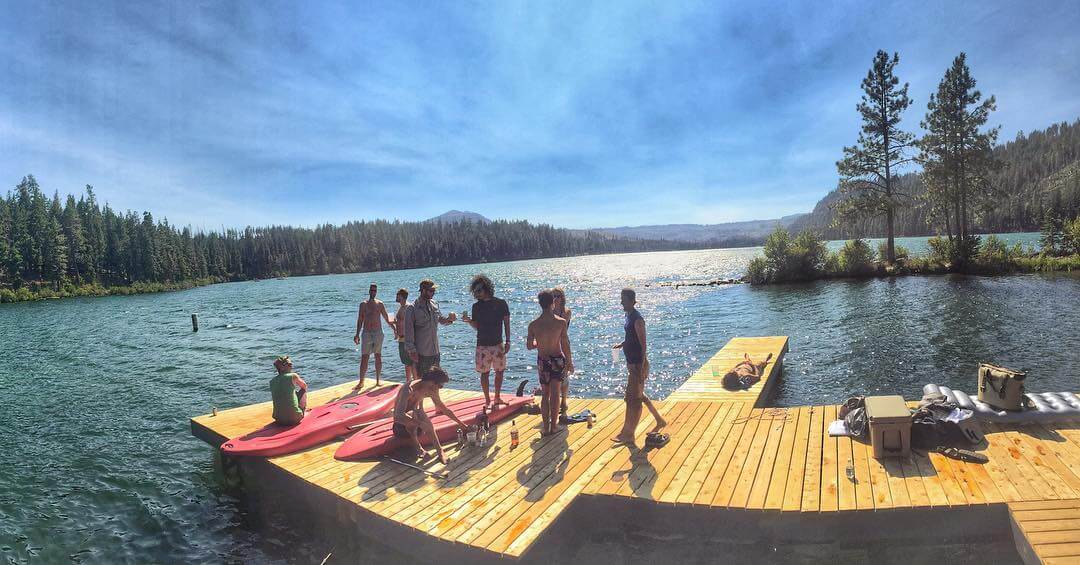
1000,387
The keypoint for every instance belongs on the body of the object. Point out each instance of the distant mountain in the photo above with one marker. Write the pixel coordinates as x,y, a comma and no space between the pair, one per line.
458,216
750,232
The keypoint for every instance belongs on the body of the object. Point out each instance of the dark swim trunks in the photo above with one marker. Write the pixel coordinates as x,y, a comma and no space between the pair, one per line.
402,432
550,368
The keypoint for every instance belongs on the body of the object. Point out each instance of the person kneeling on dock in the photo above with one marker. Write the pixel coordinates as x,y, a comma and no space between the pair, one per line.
409,418
289,393
746,374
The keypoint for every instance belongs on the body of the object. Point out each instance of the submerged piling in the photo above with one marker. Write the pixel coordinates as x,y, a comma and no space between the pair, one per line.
194,322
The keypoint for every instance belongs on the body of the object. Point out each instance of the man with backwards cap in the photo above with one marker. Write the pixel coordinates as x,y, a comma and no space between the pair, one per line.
421,328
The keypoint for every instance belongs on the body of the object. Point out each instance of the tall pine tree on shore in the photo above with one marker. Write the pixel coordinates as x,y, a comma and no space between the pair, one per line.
869,169
957,157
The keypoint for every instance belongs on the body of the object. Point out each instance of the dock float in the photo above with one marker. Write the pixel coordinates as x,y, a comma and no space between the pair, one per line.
735,472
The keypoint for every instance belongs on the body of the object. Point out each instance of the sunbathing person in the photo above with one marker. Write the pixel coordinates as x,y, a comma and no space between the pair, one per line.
745,374
289,393
409,418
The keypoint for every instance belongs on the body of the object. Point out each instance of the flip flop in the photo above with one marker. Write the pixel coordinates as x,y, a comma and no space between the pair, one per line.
656,439
578,418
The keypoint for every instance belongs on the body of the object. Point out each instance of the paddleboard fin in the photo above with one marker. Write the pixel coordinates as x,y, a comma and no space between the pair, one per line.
521,387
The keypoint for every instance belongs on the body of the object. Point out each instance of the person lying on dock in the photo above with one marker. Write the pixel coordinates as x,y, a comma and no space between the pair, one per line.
745,374
547,334
289,393
409,418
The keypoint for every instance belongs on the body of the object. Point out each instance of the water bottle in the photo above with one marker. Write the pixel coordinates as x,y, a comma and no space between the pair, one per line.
460,438
513,435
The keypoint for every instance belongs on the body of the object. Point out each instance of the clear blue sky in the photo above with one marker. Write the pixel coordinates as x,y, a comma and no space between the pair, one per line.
578,114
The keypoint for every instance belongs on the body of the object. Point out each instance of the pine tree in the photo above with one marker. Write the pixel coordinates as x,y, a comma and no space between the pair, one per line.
957,158
869,169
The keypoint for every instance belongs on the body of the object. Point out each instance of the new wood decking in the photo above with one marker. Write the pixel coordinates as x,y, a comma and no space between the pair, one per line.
725,453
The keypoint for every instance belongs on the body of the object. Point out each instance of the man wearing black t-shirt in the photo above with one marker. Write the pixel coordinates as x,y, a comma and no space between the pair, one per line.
491,319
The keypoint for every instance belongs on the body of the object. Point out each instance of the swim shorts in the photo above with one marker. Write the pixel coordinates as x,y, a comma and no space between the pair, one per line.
426,363
403,354
371,342
402,432
550,367
490,357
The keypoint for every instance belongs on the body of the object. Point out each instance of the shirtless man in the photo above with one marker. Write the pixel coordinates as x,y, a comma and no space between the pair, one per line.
637,363
547,334
409,418
368,322
559,309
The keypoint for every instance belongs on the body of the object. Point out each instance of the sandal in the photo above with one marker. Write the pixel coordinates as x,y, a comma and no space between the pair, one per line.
656,439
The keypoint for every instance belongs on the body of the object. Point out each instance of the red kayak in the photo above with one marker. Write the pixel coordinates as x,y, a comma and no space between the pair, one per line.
321,424
379,439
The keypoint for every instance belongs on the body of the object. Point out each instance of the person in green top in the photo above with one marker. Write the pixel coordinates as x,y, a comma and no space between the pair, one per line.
289,392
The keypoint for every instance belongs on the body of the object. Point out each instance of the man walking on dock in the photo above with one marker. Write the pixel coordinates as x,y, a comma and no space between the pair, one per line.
369,332
637,363
421,328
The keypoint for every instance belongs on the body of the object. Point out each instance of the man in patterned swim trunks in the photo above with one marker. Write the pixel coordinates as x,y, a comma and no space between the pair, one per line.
547,334
490,318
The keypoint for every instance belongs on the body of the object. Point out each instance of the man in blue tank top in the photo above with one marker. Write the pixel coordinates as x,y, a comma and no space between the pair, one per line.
637,363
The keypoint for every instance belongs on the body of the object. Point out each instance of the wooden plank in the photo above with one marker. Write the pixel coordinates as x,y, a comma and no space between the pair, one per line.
1045,504
534,461
879,479
1047,464
720,464
733,474
1024,467
913,480
793,489
811,497
935,492
897,487
1052,525
829,486
644,481
740,495
714,441
694,450
864,490
764,478
635,474
510,534
782,464
845,459
1070,550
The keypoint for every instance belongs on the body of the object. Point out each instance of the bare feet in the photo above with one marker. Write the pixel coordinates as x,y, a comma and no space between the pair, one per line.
442,458
499,402
660,424
359,386
623,438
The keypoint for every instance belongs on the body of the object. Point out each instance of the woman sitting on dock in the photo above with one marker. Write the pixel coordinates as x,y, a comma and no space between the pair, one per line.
289,393
745,374
409,417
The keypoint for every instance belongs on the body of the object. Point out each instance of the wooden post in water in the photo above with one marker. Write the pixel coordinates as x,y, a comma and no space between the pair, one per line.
194,322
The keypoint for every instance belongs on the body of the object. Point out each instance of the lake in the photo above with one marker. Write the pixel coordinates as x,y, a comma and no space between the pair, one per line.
100,465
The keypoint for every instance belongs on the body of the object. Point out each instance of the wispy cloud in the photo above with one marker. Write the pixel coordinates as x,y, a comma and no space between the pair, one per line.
575,114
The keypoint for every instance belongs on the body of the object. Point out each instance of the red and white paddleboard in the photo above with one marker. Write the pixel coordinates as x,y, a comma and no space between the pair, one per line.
379,439
321,424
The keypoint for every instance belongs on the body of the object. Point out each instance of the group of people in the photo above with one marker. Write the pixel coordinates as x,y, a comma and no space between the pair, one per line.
416,330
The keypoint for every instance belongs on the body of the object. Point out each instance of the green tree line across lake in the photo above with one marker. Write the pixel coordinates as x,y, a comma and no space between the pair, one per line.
53,247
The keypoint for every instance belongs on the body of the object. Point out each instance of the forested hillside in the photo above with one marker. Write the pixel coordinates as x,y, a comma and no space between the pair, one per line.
1041,173
49,243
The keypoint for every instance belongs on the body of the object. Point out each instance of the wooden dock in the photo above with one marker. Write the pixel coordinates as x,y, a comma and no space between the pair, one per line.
730,460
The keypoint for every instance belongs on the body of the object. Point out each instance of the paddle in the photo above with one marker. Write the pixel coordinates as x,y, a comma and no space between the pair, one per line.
437,475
